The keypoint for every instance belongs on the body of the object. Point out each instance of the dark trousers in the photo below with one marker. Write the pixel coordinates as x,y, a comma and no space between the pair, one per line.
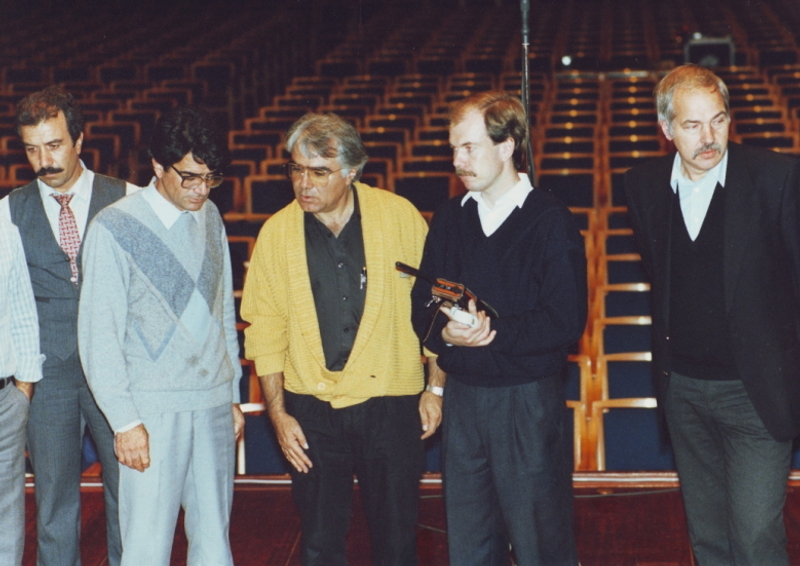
379,442
733,473
508,474
61,408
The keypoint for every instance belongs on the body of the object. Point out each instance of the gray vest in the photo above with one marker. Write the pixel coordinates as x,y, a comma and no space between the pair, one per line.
56,296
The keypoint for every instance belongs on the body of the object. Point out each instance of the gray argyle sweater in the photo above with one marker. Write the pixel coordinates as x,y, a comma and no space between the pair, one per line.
156,327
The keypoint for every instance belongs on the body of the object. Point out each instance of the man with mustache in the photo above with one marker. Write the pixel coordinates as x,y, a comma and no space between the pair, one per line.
507,465
718,230
52,214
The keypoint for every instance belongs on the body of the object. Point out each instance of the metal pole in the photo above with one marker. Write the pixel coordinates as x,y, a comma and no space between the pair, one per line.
525,6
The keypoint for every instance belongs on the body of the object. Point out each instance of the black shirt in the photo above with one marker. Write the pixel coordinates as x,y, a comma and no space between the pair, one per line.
337,269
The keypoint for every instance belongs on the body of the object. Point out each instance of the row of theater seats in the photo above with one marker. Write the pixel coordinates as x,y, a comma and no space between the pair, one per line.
591,129
587,130
393,76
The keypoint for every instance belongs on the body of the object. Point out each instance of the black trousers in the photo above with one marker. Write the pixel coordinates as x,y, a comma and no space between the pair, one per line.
379,442
733,473
508,474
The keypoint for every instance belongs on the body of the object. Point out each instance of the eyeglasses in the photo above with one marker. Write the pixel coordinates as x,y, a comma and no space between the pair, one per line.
192,181
318,176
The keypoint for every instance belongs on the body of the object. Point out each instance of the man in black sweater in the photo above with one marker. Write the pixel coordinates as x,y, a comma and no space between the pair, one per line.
506,453
717,227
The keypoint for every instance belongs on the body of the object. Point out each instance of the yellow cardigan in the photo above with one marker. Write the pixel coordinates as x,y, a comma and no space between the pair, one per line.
277,301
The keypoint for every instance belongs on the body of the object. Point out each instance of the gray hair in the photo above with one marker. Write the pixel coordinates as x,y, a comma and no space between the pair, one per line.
686,77
329,136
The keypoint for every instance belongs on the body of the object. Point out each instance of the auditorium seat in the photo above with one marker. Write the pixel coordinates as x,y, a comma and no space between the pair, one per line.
427,164
20,173
578,380
407,123
572,187
381,134
307,102
621,299
427,191
612,217
128,134
356,115
386,150
626,435
379,170
432,133
435,148
267,194
160,71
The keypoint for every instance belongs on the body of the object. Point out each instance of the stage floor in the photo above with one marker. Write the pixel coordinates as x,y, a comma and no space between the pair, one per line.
614,526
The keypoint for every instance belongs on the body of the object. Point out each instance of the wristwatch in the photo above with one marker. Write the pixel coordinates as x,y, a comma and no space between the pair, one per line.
439,391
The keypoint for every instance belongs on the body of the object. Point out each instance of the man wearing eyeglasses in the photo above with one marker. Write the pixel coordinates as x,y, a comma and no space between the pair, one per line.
330,333
158,342
52,214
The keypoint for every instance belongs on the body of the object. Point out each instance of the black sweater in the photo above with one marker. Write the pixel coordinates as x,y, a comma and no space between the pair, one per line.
532,270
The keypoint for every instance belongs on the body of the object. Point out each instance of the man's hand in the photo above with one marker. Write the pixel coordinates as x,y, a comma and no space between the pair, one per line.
26,388
238,422
430,404
462,335
292,440
133,448
430,413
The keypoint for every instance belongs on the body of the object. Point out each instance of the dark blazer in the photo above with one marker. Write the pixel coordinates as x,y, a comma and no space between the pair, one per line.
761,280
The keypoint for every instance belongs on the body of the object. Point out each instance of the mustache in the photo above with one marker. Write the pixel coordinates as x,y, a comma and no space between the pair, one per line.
48,171
464,173
708,147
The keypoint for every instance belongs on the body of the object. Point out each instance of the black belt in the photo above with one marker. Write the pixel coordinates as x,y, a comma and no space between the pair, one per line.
5,381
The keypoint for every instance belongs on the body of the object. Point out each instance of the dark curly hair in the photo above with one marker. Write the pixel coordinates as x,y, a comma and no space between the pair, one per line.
189,130
45,104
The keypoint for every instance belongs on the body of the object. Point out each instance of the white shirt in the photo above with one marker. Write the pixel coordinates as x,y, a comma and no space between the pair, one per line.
493,217
167,212
82,189
695,197
19,325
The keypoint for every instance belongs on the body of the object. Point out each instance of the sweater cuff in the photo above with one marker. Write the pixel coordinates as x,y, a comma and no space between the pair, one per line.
267,365
123,417
127,427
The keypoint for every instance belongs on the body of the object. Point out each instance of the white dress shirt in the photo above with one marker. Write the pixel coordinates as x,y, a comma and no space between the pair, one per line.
696,197
493,217
19,325
167,212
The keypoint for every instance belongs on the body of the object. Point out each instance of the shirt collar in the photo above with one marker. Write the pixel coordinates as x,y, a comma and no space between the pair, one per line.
717,174
167,212
82,189
514,197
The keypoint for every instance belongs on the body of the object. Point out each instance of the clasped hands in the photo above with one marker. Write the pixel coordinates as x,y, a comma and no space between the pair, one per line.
459,334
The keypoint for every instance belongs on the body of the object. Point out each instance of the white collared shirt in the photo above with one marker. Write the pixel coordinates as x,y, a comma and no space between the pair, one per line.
695,197
167,212
19,325
493,217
